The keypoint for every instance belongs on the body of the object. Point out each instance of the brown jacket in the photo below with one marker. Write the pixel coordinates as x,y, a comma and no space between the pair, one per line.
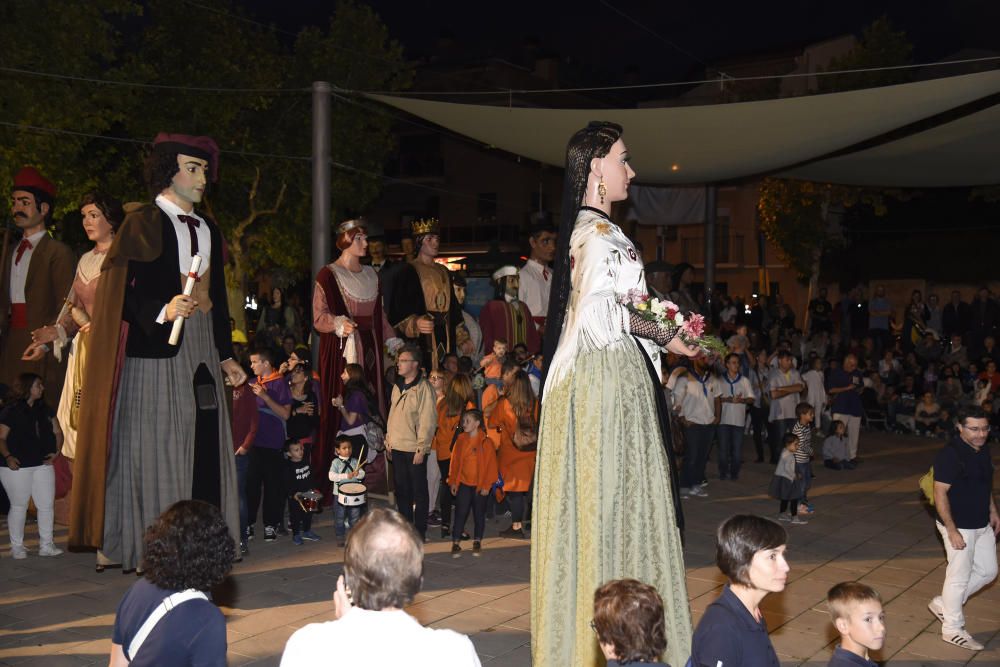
139,239
50,275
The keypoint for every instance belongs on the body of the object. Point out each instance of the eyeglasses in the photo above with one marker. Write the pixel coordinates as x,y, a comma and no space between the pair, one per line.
406,361
977,429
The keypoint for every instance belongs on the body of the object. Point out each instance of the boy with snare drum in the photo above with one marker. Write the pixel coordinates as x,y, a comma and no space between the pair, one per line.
346,475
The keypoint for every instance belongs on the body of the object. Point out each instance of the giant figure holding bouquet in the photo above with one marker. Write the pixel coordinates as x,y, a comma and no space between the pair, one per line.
606,503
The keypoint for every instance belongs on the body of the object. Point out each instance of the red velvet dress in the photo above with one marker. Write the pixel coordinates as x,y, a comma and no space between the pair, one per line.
339,294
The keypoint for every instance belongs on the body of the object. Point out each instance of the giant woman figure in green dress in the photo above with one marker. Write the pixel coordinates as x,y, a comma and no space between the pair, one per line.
606,505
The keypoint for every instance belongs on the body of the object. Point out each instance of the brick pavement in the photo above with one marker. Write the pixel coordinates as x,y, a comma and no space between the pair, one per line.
869,525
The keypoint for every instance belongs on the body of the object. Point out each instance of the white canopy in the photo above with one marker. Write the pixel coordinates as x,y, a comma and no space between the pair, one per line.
942,132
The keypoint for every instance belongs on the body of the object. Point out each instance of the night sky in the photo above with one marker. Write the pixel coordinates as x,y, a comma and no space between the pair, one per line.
603,44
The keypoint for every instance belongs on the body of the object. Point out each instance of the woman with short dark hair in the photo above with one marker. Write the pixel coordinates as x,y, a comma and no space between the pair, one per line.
628,620
30,438
187,551
750,551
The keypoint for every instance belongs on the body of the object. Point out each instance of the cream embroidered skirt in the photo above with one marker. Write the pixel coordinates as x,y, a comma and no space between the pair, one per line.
603,507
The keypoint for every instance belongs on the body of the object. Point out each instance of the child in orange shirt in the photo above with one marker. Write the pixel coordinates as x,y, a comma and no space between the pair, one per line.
493,362
471,475
516,411
497,388
458,397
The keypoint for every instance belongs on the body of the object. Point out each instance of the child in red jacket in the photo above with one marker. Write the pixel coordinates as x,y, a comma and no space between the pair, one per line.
471,475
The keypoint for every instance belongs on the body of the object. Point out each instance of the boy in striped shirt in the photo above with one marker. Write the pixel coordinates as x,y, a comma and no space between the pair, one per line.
804,414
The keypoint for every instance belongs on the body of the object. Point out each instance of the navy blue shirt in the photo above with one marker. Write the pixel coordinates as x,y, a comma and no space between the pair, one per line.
192,634
846,402
970,474
844,658
729,632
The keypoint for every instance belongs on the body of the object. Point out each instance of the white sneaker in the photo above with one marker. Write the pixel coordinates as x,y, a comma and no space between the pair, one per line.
784,516
49,550
798,521
962,639
937,608
18,553
699,491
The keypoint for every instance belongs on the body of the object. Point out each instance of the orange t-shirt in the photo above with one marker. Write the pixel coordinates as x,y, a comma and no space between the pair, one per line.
517,467
446,430
494,369
474,461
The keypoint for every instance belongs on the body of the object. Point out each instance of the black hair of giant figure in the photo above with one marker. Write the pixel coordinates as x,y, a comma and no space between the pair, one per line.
159,171
593,141
109,207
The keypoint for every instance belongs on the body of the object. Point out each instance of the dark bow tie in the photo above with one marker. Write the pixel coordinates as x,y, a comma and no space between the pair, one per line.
193,224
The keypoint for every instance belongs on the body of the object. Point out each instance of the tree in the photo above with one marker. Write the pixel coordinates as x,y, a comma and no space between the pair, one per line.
796,215
202,70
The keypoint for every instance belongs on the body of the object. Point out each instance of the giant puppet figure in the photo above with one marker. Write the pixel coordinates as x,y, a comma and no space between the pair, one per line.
36,273
536,274
606,502
348,314
507,317
423,304
167,420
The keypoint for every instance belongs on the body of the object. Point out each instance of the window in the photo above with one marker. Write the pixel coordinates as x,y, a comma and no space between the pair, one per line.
486,207
723,254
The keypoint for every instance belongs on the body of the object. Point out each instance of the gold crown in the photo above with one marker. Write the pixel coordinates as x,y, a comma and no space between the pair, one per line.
425,226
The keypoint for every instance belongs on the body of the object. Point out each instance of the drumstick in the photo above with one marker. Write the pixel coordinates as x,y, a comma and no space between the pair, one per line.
175,333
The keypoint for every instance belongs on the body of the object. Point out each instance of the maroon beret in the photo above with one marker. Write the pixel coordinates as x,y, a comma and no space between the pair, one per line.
203,148
30,180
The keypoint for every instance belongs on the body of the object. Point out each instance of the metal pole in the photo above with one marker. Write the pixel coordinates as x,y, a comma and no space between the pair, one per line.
320,185
711,213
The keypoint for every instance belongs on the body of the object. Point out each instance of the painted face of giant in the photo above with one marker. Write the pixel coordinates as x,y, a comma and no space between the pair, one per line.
26,210
614,169
191,178
511,285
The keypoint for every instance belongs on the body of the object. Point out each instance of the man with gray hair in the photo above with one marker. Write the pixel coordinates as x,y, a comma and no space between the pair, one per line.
409,432
383,570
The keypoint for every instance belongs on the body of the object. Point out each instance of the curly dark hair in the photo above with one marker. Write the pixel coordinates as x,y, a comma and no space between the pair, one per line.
188,546
109,207
628,614
159,170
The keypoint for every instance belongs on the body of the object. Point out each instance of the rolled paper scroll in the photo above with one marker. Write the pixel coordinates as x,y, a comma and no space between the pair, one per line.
175,333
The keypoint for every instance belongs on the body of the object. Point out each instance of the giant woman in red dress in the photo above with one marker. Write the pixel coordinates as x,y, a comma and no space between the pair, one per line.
347,312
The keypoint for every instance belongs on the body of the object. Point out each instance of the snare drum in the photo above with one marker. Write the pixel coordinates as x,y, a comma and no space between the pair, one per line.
310,500
351,494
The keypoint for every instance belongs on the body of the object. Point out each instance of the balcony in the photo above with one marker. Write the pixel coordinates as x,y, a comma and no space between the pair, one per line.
728,250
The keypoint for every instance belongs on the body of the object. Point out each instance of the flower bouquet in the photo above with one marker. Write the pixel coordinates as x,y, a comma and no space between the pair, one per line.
690,329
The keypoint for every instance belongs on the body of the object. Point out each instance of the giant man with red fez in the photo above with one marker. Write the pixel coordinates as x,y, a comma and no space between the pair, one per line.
36,273
507,317
164,435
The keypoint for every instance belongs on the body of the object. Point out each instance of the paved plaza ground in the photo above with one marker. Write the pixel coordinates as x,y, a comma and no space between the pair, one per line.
870,525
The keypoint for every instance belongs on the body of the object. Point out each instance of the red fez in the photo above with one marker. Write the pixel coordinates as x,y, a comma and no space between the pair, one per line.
203,148
30,180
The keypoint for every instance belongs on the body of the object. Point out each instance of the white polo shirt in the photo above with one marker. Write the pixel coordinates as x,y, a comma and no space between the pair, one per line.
696,398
